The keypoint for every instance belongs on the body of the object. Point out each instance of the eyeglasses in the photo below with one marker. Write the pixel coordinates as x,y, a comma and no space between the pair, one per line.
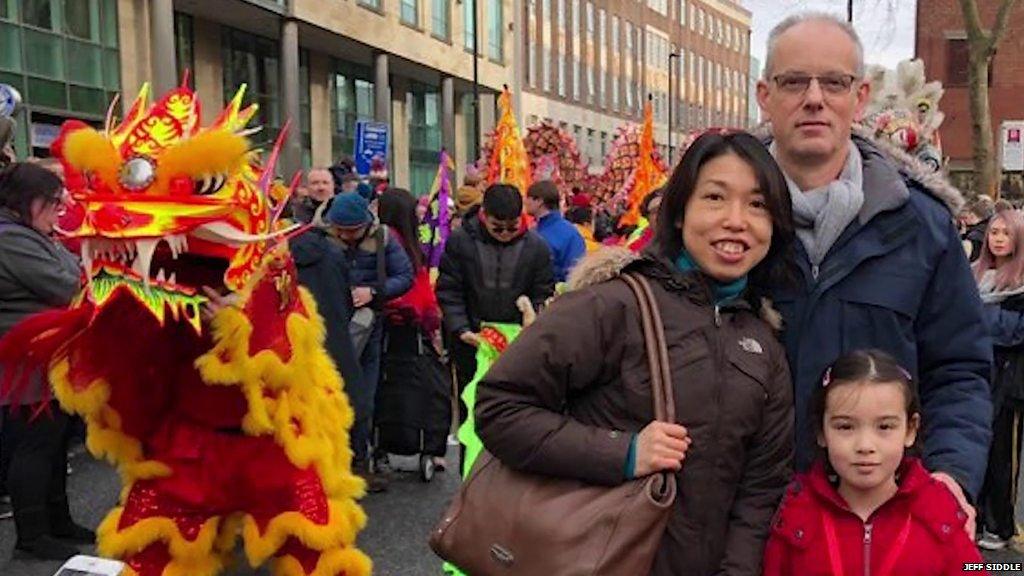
831,84
503,229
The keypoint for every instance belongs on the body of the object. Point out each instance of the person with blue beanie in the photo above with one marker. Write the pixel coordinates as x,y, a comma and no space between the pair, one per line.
379,271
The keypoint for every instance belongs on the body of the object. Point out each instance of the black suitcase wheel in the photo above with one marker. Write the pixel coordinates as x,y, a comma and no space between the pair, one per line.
426,468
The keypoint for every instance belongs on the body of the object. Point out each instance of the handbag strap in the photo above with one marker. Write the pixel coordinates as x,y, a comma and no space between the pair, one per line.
657,350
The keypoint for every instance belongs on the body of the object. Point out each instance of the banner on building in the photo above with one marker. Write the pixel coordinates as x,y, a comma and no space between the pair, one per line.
1012,146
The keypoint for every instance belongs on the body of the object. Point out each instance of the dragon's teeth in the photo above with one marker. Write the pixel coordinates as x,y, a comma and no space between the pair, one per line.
160,276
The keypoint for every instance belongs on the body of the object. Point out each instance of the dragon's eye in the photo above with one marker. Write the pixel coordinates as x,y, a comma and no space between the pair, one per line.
138,173
210,184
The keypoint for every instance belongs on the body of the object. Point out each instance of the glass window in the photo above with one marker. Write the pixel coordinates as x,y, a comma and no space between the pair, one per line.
630,60
424,106
469,33
109,23
615,62
591,46
82,19
682,12
602,41
183,42
545,45
495,36
85,63
574,37
561,84
375,4
531,41
39,13
111,70
10,47
410,12
353,100
440,17
8,9
44,54
47,93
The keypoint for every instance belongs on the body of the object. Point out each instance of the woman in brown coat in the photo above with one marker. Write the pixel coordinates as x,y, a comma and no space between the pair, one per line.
572,396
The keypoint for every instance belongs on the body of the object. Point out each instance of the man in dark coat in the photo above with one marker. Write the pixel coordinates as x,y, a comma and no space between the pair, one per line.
323,271
487,265
880,264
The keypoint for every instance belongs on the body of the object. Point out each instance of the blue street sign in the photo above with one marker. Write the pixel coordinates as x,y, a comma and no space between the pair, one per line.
371,142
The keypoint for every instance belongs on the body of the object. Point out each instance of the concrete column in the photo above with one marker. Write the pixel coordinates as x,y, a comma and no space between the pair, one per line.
291,155
488,116
134,48
321,127
400,136
382,88
209,73
448,115
161,24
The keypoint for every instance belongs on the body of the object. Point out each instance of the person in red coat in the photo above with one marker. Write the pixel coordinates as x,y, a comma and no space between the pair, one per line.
867,508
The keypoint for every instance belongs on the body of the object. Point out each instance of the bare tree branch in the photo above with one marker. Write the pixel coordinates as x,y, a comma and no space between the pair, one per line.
972,20
1002,19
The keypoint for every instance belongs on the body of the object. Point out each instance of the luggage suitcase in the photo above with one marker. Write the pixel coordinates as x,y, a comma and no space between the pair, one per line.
413,411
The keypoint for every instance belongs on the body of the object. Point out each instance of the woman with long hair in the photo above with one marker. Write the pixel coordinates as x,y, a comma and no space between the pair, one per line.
412,348
36,274
999,271
571,397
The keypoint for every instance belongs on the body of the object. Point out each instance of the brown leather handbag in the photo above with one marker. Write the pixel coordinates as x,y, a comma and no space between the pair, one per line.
510,523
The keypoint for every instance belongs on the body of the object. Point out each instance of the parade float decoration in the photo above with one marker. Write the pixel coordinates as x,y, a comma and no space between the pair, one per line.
435,224
615,183
648,174
227,425
904,111
554,155
508,162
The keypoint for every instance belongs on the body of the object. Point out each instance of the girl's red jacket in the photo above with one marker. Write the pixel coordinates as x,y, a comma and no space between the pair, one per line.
918,532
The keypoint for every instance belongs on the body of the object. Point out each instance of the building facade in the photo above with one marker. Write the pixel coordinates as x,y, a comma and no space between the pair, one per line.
589,66
325,64
941,42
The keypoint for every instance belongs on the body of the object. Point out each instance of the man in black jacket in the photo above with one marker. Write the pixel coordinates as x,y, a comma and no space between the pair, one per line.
324,272
487,265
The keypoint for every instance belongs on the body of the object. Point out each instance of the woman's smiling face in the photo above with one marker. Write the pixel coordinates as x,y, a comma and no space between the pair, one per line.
727,229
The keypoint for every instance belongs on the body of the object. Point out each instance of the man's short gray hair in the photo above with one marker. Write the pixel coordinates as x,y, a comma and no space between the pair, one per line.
782,27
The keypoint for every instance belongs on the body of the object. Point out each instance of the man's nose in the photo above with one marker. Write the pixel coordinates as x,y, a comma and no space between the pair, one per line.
814,97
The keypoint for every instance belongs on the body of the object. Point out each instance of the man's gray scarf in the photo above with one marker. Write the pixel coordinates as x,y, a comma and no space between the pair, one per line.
823,213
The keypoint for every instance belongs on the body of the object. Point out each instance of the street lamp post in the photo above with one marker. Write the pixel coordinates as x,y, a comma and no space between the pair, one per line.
671,104
476,81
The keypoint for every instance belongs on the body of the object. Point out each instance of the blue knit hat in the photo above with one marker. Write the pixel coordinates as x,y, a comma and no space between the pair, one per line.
349,210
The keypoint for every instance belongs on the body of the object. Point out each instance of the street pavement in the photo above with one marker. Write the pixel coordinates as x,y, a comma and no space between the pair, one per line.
395,536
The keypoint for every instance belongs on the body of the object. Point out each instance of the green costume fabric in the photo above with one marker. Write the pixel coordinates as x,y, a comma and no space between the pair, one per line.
494,338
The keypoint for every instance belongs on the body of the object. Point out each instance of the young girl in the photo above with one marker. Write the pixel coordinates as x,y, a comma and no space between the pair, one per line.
1000,275
867,507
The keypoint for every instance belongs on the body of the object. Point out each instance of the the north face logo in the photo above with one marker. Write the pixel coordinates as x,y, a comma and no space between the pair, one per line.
751,345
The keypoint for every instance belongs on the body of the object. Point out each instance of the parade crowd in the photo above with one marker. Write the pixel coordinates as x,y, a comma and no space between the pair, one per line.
845,341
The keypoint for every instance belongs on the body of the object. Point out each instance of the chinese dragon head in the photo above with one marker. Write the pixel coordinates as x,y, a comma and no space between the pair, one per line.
161,206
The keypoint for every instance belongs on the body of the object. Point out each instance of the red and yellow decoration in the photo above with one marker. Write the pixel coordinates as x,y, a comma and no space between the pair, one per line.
222,426
648,174
508,163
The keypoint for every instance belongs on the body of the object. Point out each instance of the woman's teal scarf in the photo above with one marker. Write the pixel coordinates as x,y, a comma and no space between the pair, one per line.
724,293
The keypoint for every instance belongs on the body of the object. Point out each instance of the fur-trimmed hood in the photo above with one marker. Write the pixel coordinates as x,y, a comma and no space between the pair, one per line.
910,168
609,262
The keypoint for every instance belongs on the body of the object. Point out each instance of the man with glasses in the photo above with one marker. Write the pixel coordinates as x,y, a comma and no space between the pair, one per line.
879,261
488,263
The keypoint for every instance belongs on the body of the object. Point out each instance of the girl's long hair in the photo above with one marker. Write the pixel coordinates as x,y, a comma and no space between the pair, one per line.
397,209
1011,274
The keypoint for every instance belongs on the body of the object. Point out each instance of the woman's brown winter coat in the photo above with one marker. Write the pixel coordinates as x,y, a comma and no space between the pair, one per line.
569,393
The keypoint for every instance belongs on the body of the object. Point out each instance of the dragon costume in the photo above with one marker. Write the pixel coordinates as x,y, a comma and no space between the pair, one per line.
224,426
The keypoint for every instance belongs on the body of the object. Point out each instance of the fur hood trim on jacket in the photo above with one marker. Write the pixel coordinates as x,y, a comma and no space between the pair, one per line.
609,262
934,182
